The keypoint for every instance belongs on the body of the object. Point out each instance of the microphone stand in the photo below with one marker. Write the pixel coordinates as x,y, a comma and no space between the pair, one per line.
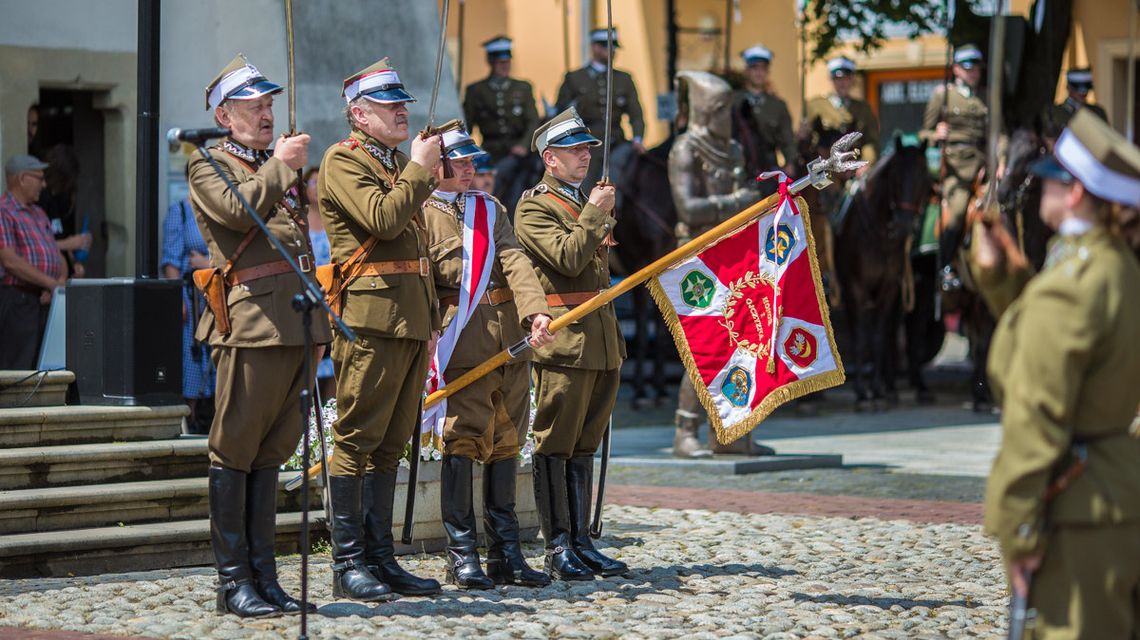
303,303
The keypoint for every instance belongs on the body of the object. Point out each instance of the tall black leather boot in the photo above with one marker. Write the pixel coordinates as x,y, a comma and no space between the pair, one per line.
579,485
351,577
380,546
236,593
505,562
550,496
261,531
455,504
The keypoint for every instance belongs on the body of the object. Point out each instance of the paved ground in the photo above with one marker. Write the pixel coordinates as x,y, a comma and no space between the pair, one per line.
888,546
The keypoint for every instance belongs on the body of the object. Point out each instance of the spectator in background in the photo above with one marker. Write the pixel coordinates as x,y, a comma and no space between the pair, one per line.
322,254
183,251
32,264
34,130
58,201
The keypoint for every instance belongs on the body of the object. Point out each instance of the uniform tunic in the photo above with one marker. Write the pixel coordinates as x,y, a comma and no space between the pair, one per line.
585,90
577,376
830,117
964,150
1065,360
762,125
259,363
486,421
503,110
366,189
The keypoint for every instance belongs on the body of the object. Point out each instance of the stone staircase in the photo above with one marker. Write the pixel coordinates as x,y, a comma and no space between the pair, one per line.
96,489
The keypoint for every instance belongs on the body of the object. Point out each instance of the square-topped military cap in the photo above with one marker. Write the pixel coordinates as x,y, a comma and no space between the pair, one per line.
563,130
841,66
457,143
968,56
378,83
498,48
756,53
601,36
240,80
1080,80
1103,160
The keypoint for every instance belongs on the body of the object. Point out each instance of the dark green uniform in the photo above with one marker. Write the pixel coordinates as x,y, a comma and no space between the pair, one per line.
503,110
576,378
830,117
763,126
365,190
585,90
256,424
1064,363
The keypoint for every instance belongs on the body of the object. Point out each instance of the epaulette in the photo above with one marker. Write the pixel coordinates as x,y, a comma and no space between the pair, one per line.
350,142
538,189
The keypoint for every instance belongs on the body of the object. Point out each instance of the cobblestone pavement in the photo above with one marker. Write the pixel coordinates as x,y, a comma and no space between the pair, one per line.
695,573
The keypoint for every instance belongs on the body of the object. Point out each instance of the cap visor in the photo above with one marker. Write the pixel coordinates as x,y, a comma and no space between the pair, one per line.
256,90
385,96
969,64
466,151
1049,168
575,139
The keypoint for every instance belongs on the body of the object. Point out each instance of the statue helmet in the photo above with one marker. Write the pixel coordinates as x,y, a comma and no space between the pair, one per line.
706,100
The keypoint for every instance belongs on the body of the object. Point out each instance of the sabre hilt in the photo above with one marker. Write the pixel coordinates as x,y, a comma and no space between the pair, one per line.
429,131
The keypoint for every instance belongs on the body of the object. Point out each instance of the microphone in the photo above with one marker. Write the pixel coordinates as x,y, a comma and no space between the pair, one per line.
195,136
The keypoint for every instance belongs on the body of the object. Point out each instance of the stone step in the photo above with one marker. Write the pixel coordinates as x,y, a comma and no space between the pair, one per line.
136,547
104,505
34,388
69,465
30,426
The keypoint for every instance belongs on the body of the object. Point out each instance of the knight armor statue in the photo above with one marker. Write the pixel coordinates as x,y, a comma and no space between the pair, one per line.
706,171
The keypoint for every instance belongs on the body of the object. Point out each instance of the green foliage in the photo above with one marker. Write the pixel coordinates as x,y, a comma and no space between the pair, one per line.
831,23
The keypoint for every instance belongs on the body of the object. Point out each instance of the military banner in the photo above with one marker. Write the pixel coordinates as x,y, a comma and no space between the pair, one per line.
750,321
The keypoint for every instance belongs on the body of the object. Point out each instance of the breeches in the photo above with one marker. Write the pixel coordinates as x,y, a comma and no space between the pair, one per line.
379,388
257,418
574,407
487,420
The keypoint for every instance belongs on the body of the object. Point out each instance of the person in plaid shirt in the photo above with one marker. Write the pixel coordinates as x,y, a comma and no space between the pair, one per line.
31,265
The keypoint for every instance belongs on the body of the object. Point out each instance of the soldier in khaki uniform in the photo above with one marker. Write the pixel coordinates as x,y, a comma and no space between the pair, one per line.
502,109
576,379
833,116
585,90
1055,118
955,118
487,421
370,197
761,121
1064,362
259,360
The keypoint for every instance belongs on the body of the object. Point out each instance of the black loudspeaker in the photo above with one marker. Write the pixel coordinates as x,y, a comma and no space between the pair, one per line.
124,341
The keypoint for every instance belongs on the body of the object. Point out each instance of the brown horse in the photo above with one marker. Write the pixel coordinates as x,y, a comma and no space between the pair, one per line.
645,232
871,256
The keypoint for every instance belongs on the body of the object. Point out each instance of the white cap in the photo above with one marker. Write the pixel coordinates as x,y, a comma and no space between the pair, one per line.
840,65
757,53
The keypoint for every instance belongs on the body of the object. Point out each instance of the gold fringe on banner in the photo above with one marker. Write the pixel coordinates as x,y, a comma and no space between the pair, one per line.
778,396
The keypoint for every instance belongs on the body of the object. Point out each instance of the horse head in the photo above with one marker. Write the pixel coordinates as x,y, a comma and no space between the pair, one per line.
899,185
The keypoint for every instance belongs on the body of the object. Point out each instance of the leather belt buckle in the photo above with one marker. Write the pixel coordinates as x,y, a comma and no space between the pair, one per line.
425,267
305,261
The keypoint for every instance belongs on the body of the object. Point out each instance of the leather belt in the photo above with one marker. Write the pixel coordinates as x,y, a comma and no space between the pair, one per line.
421,266
570,299
278,267
493,297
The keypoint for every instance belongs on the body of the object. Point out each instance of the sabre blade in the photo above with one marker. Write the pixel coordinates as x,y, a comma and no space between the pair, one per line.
292,67
609,91
438,64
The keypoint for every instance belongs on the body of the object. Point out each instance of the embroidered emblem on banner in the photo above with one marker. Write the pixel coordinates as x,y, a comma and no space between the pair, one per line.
778,245
737,386
801,347
697,290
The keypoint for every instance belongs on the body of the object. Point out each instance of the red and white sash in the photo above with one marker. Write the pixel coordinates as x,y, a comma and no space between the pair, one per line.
478,262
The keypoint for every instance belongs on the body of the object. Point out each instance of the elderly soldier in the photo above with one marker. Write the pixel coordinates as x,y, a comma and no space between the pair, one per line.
503,110
706,171
1063,498
585,90
956,118
486,421
370,197
1056,117
576,378
256,336
762,123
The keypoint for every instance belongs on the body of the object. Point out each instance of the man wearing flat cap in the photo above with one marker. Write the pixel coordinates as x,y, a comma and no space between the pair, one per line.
1079,83
761,121
370,196
576,378
1063,498
955,118
256,336
502,109
585,90
490,299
